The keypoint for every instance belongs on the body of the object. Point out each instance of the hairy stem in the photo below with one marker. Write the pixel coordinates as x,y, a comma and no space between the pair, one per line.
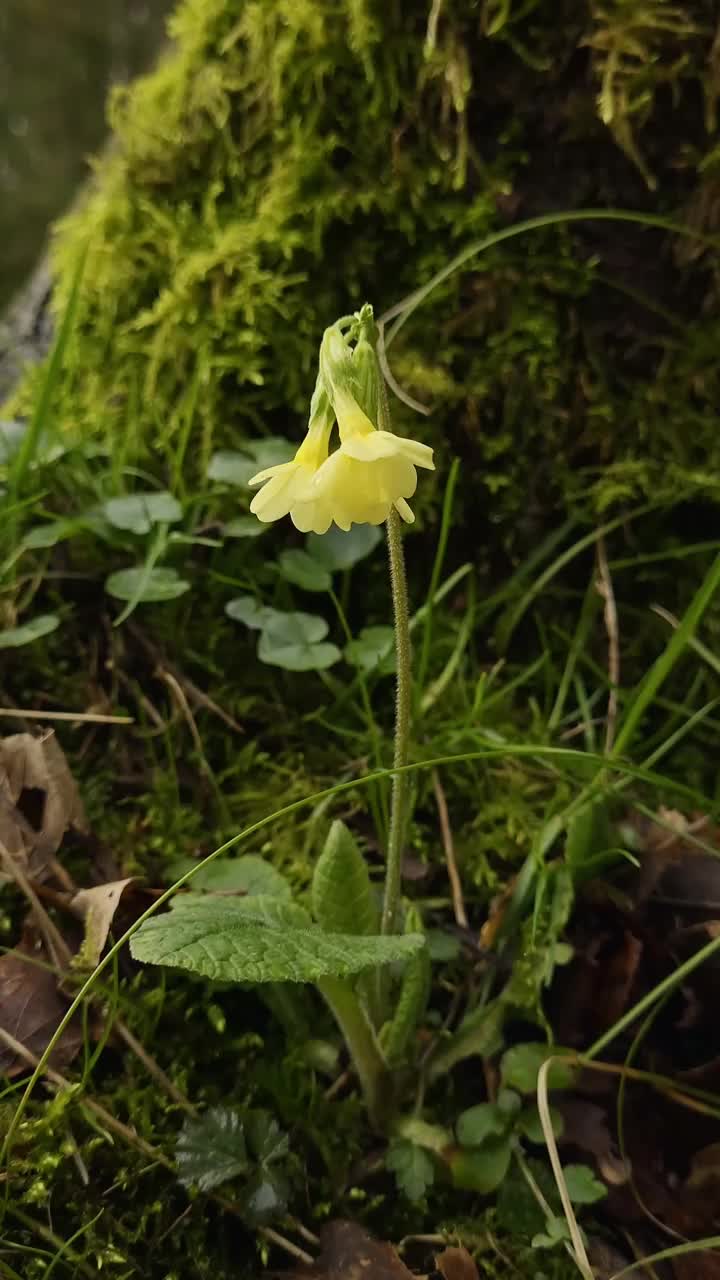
403,704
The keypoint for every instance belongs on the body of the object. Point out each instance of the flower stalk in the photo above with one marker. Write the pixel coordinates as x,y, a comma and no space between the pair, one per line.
403,706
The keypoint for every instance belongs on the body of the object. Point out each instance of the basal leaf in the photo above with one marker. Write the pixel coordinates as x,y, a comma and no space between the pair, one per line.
16,637
295,641
146,586
337,549
259,909
248,874
520,1065
223,940
582,1185
244,527
482,1168
372,649
211,1149
304,571
342,895
247,609
227,466
477,1124
138,512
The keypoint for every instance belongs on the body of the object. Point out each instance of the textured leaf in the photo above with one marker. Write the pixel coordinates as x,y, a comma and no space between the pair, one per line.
138,512
16,637
211,1149
413,1168
294,641
337,549
304,571
260,908
372,648
247,609
248,874
226,941
146,586
342,895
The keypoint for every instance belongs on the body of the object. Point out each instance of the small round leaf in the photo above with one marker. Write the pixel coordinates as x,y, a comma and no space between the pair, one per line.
146,587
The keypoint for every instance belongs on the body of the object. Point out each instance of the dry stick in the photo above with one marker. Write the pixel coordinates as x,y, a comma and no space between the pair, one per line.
605,589
449,847
86,717
581,1259
188,685
152,1067
134,1140
56,944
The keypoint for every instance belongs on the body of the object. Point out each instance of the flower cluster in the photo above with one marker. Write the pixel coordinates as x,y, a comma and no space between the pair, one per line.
368,475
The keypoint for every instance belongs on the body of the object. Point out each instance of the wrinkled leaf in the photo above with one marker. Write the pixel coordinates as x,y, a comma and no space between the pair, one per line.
16,637
211,1149
146,586
413,1168
374,647
337,549
223,940
304,571
342,895
294,641
138,512
97,907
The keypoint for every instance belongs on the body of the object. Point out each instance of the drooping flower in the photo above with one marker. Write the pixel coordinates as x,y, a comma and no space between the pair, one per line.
287,484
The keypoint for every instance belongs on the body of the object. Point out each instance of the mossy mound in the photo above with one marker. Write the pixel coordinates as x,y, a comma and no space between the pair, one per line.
290,158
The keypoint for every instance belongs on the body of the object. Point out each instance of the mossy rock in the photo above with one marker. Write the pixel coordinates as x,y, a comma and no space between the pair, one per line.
290,158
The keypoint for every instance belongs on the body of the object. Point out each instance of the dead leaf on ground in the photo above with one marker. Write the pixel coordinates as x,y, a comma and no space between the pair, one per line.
456,1264
31,1008
97,907
349,1252
39,800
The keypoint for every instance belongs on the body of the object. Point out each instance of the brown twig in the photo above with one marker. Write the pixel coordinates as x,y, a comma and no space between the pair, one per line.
58,949
190,688
605,589
152,1067
449,847
86,717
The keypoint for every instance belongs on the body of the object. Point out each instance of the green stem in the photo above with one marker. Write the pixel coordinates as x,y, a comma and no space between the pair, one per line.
363,1047
403,707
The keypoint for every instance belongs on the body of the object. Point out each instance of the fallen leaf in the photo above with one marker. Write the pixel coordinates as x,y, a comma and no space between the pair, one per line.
97,907
31,1008
349,1252
456,1264
39,800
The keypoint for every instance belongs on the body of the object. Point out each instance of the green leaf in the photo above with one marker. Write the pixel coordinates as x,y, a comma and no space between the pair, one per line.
266,1196
529,1123
211,1149
48,535
589,834
374,647
247,609
294,641
482,1168
224,940
486,1120
258,908
146,586
520,1065
412,999
270,451
304,571
227,466
413,1168
244,527
16,637
342,895
582,1185
266,1140
556,1232
339,550
249,874
138,512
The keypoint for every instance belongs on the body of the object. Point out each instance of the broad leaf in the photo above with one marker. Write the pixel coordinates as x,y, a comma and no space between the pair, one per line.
48,535
486,1120
413,1168
138,512
582,1185
342,895
520,1065
248,874
246,609
146,586
16,637
229,467
339,550
372,648
482,1168
304,571
259,908
530,1124
244,527
223,940
211,1149
295,641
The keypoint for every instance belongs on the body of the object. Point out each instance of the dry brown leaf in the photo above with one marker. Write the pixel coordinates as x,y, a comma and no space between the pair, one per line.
39,800
97,907
456,1264
31,1008
349,1252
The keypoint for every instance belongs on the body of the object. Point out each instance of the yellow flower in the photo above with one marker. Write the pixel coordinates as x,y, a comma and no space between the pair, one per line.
372,471
290,483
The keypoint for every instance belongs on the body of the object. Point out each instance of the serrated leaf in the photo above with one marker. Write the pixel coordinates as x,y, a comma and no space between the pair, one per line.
248,874
477,1124
303,571
225,941
582,1185
413,1168
372,649
146,586
338,549
211,1149
227,466
266,1140
16,637
244,527
295,642
138,512
342,895
482,1168
520,1065
246,609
